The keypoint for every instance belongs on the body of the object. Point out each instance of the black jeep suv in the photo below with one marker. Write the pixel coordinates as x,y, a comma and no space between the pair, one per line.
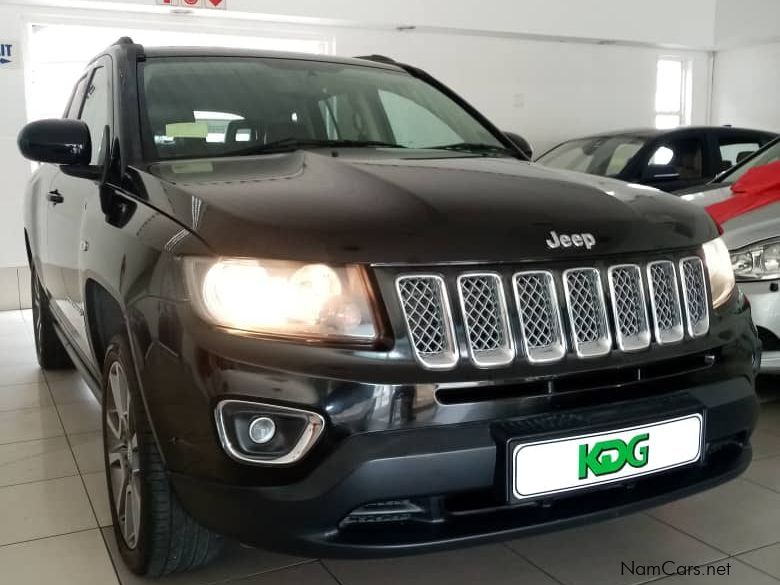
332,310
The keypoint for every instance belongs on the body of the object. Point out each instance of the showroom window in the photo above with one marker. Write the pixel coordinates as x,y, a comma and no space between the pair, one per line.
60,53
673,94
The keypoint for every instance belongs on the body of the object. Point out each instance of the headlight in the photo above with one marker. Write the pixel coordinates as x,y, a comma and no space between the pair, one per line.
722,281
759,262
282,298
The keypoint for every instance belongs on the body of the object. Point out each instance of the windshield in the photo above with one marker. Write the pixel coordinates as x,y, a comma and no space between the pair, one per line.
604,155
205,107
769,155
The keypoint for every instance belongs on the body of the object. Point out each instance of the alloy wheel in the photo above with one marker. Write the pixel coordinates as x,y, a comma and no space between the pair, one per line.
123,457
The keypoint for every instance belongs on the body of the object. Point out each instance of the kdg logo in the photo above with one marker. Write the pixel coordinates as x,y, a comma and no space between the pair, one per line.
611,456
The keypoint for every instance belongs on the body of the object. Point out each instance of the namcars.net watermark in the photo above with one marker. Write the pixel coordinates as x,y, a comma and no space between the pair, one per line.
672,568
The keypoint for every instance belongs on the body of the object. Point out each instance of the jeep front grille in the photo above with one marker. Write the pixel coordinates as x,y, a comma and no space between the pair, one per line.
541,328
426,307
665,302
486,319
695,295
554,312
629,309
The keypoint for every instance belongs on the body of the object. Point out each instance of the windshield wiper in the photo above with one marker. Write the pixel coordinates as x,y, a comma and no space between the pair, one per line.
291,143
475,148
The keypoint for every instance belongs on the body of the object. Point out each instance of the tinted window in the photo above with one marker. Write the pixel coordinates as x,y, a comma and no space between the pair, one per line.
269,100
606,156
769,155
683,157
95,112
734,150
74,105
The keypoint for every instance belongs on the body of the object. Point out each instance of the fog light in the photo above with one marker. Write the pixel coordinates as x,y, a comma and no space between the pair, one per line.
262,430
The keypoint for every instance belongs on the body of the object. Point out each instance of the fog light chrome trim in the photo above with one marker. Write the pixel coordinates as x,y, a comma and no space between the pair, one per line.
311,434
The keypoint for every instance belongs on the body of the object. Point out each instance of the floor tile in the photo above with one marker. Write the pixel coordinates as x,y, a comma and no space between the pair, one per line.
45,508
736,517
236,562
594,554
72,559
98,497
765,444
732,572
16,374
25,292
769,420
24,396
766,559
35,461
765,472
80,417
71,391
88,451
308,574
29,424
494,564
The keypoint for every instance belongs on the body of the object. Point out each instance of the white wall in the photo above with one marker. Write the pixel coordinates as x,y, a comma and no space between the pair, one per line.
746,76
746,87
547,90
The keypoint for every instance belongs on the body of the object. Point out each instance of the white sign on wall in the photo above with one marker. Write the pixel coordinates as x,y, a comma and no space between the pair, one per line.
10,54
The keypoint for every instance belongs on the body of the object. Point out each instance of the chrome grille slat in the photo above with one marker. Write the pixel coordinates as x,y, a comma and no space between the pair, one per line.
426,308
587,313
541,327
632,331
486,319
697,314
665,302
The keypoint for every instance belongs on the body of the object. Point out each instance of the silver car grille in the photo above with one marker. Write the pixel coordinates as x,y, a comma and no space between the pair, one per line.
486,319
665,302
629,308
539,315
695,295
554,313
426,308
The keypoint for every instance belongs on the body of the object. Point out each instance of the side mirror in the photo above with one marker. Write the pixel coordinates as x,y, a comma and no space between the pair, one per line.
521,143
58,141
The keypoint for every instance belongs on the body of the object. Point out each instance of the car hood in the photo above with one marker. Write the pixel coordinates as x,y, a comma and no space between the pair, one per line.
745,229
376,206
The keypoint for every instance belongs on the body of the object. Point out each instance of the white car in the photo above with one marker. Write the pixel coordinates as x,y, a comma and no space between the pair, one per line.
754,241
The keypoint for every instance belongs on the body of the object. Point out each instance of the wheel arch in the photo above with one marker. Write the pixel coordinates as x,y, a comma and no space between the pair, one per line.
105,318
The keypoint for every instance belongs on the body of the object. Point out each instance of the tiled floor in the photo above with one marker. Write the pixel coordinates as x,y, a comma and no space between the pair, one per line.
55,521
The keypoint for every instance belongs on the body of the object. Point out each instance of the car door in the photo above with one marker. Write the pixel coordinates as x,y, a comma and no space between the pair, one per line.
68,197
678,161
46,197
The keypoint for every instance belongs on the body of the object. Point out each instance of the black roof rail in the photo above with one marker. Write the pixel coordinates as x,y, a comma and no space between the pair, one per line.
378,59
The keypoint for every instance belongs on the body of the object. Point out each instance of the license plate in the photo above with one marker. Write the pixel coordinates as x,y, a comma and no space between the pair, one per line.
552,467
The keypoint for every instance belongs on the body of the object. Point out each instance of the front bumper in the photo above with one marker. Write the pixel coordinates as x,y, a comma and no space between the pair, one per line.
765,304
453,470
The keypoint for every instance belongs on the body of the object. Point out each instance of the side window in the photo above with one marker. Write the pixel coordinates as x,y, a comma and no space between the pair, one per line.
74,105
683,157
734,149
95,112
413,125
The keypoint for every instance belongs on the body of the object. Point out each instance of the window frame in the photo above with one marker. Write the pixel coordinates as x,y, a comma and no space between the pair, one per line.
104,62
684,112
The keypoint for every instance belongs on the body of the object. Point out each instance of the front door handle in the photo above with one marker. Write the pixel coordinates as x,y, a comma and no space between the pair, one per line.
55,197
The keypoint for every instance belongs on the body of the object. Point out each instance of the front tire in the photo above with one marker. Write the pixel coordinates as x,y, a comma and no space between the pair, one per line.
48,346
155,535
